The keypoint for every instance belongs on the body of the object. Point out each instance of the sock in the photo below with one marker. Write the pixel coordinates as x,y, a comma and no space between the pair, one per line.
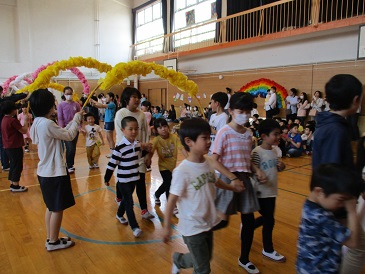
55,243
222,224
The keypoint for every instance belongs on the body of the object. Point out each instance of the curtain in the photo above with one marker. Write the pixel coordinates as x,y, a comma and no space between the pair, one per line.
172,15
218,37
134,30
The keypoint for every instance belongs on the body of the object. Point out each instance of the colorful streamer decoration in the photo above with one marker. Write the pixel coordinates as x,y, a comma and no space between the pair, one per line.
259,88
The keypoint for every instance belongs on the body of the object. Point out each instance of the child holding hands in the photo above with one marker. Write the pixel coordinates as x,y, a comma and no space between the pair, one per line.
126,156
167,146
266,159
193,188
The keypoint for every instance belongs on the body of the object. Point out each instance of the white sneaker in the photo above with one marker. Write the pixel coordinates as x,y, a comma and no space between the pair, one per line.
137,232
109,155
122,220
118,201
18,188
96,166
146,215
70,170
91,167
274,256
175,269
60,244
249,267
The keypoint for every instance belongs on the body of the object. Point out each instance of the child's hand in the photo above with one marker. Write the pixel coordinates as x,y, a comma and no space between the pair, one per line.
237,185
350,205
147,147
166,234
280,166
261,177
106,183
148,162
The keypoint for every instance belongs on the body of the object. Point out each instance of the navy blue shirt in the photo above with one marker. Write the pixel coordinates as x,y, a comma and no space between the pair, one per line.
332,141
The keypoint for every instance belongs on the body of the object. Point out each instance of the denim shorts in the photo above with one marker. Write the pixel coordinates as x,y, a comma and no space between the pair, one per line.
109,126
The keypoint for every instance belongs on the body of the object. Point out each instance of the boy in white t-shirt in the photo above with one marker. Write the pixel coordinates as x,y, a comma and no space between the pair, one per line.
91,132
218,119
193,188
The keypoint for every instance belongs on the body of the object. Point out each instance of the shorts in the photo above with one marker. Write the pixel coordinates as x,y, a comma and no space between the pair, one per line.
57,192
109,126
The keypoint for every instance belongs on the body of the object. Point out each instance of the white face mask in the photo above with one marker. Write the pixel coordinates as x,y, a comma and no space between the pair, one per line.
240,119
68,97
301,96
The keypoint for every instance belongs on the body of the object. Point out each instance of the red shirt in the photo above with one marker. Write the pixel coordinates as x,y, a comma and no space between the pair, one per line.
12,138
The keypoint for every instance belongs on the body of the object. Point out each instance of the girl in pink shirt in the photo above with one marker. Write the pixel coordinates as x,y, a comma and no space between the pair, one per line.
22,118
232,147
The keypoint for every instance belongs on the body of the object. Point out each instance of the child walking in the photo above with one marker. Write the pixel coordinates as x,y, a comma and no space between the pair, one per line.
344,95
232,147
110,109
91,132
130,100
167,146
193,189
218,119
265,158
12,136
321,234
126,156
53,176
22,118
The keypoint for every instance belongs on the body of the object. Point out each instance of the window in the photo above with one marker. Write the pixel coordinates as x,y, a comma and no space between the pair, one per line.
189,13
148,26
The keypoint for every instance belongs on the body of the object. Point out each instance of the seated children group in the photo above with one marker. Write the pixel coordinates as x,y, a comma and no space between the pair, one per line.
190,186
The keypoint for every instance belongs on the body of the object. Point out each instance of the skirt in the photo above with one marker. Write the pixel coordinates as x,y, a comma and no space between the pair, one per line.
229,202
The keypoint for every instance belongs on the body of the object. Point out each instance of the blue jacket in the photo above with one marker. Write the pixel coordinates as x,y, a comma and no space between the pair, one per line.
332,141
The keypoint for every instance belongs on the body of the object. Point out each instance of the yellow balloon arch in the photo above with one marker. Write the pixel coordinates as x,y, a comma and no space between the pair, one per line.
114,75
122,70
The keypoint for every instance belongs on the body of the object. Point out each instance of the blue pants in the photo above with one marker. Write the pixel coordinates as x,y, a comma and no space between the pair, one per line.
71,151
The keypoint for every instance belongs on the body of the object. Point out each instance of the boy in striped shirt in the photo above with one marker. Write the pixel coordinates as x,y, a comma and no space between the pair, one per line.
126,156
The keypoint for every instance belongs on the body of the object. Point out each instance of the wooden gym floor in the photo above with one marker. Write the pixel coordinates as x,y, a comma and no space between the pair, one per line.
103,245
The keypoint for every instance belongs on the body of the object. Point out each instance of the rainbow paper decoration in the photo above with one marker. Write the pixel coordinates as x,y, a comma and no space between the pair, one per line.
259,88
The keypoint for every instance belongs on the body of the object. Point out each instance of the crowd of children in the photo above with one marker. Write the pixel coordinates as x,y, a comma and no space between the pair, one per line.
245,154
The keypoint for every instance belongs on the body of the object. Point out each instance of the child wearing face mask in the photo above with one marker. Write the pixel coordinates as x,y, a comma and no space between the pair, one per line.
232,148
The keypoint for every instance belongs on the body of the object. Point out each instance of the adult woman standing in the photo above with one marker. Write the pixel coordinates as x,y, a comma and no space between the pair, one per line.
66,111
270,104
316,104
303,105
291,104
